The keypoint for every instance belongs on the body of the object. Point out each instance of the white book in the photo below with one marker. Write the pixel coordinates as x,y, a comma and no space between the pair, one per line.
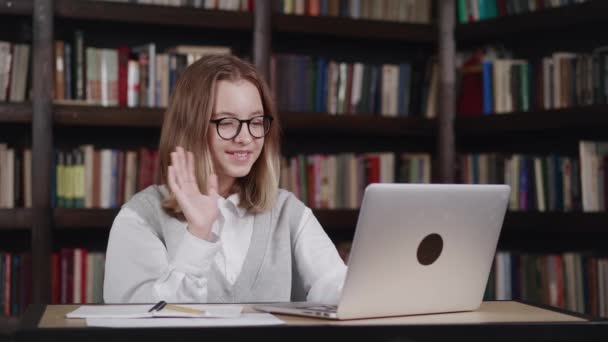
431,104
588,171
540,188
133,84
343,70
130,175
5,68
104,77
3,172
15,71
210,4
332,88
357,85
88,152
300,7
105,181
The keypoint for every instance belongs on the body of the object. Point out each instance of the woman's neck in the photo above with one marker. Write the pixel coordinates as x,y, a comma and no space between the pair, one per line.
225,186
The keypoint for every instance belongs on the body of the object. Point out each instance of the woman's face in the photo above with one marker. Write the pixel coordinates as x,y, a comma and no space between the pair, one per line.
234,158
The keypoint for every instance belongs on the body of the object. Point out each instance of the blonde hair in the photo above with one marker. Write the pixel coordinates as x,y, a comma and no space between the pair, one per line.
186,123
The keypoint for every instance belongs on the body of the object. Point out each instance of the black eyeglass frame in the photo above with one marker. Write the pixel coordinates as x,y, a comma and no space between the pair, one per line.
241,122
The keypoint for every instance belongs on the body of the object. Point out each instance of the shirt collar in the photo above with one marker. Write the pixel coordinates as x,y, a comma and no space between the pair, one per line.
233,202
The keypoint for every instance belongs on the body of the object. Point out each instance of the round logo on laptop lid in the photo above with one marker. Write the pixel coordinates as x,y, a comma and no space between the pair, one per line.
430,249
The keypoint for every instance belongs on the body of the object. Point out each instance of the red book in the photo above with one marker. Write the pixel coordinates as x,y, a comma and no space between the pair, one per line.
83,276
470,101
372,163
144,169
539,4
55,278
502,7
123,72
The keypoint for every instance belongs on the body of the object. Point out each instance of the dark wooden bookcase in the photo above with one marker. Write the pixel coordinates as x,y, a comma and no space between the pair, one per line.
575,27
258,35
255,35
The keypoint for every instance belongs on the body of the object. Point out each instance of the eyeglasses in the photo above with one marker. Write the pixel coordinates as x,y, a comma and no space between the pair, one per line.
228,128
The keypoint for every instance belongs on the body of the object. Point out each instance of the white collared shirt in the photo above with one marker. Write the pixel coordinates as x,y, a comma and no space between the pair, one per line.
182,277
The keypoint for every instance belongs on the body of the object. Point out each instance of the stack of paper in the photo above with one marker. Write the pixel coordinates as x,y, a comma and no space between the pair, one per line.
129,316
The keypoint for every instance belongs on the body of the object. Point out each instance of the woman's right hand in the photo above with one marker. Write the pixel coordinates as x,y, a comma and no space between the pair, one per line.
200,210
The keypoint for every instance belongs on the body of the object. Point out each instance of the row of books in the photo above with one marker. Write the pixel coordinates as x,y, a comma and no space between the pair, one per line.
77,276
125,76
338,181
222,5
491,84
573,281
412,11
102,178
476,10
15,177
14,71
538,183
15,283
334,87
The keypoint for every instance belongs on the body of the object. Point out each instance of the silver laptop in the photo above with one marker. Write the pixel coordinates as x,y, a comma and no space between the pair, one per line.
418,249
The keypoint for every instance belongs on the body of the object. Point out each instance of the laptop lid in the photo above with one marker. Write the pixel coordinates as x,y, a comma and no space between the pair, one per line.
422,248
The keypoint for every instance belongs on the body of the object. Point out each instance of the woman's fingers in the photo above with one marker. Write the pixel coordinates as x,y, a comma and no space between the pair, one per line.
191,169
172,180
212,185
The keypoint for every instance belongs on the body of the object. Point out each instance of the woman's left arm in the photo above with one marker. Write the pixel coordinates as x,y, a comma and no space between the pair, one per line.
321,269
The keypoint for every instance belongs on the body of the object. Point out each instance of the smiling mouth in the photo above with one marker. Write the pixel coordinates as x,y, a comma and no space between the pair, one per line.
240,155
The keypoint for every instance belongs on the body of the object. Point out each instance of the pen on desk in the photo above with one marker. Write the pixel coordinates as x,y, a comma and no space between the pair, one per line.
184,309
158,306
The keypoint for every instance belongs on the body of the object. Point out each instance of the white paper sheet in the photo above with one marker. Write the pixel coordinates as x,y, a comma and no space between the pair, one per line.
246,319
141,311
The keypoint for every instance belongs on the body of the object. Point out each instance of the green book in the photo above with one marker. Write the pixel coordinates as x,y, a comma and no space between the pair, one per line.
525,87
462,11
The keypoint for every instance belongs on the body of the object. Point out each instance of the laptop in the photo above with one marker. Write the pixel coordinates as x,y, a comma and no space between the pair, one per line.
418,249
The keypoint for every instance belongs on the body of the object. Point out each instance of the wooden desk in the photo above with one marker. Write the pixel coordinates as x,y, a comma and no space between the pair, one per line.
494,321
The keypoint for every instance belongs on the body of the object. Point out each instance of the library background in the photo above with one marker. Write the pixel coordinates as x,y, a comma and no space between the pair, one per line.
452,91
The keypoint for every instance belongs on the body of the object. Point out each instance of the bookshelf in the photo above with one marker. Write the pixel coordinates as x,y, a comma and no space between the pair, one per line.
11,7
575,16
256,34
19,218
532,36
268,33
193,18
578,120
73,115
18,113
342,27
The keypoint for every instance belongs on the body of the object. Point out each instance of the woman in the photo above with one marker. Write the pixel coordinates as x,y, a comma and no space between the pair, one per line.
222,230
